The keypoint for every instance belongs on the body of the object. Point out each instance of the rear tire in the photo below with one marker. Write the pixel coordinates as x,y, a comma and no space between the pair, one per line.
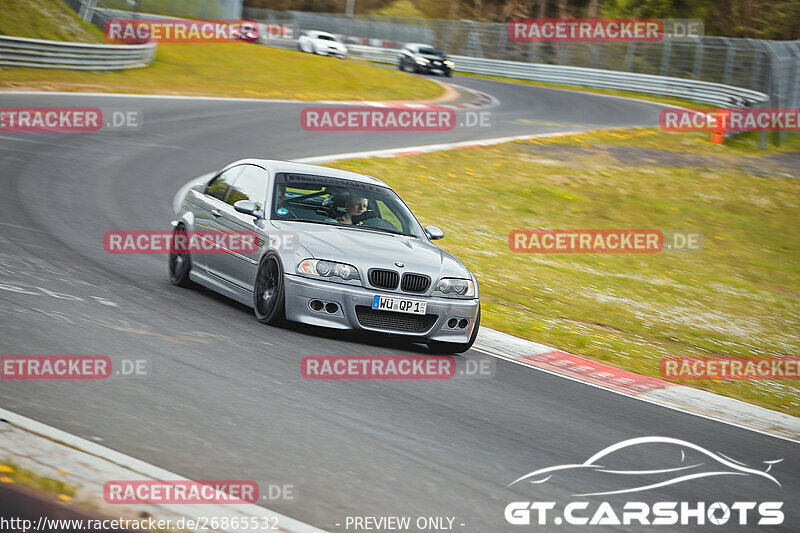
269,299
180,263
441,348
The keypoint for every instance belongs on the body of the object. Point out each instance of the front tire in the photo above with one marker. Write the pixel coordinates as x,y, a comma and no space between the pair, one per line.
439,347
180,263
269,298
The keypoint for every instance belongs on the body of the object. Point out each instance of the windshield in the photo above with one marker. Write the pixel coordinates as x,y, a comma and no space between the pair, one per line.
430,51
339,202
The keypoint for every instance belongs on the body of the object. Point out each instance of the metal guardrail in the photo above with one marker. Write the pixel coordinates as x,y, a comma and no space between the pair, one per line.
767,67
21,52
701,91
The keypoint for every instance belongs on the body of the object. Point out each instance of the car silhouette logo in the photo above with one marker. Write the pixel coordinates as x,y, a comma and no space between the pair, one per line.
694,462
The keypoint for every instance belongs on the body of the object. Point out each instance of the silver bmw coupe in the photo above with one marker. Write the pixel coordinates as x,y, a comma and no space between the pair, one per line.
332,248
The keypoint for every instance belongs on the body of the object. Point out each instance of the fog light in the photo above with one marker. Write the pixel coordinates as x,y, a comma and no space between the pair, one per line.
463,323
316,305
331,308
452,323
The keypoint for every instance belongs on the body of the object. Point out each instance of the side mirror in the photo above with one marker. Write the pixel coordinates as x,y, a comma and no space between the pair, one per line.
434,233
247,207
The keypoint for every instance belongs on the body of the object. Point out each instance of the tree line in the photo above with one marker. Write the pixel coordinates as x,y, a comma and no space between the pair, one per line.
757,19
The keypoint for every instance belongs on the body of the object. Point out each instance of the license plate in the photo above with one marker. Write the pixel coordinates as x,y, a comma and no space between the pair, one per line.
401,305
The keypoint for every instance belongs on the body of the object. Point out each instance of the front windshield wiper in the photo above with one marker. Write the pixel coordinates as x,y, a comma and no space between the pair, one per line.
309,221
385,230
347,226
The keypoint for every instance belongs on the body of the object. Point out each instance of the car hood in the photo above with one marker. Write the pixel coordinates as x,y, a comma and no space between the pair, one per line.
366,249
432,57
331,44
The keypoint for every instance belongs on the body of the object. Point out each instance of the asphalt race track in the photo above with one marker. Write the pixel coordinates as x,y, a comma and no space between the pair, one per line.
225,398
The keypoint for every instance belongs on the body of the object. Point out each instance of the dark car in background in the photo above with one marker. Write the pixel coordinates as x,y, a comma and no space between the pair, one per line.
424,58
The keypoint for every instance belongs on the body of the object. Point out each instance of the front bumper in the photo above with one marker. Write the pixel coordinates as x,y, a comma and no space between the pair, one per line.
334,52
301,291
428,68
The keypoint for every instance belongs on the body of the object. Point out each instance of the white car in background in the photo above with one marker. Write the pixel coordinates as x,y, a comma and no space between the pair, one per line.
323,43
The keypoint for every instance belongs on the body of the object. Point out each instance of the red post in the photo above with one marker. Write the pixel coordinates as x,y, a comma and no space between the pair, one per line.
720,126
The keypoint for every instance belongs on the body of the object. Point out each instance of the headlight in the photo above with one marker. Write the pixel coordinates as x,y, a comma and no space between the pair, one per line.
456,287
449,63
422,60
327,269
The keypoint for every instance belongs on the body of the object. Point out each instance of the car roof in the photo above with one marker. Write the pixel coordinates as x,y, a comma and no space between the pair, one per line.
275,166
419,45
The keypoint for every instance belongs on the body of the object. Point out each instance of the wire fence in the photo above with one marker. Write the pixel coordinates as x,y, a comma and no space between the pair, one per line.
770,67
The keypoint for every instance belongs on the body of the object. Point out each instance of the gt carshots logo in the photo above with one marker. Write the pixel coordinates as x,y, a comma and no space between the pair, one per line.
609,470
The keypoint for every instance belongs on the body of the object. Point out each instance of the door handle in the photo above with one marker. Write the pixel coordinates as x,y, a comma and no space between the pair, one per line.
216,213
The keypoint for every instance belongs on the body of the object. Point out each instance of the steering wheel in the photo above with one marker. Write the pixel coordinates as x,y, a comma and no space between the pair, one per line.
366,215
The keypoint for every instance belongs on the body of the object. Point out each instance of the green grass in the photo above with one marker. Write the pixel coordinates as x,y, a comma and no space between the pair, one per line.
737,297
11,473
235,70
206,9
201,69
52,20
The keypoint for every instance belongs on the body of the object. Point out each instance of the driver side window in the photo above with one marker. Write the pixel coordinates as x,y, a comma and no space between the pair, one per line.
250,184
218,188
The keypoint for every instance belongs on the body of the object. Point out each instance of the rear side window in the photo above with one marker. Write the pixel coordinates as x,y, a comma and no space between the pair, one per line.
219,186
250,184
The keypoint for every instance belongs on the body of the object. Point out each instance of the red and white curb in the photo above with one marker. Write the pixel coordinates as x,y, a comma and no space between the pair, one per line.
478,100
544,358
423,149
652,390
555,361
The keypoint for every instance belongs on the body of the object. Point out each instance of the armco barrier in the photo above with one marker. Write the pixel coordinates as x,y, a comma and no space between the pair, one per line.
21,52
700,91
